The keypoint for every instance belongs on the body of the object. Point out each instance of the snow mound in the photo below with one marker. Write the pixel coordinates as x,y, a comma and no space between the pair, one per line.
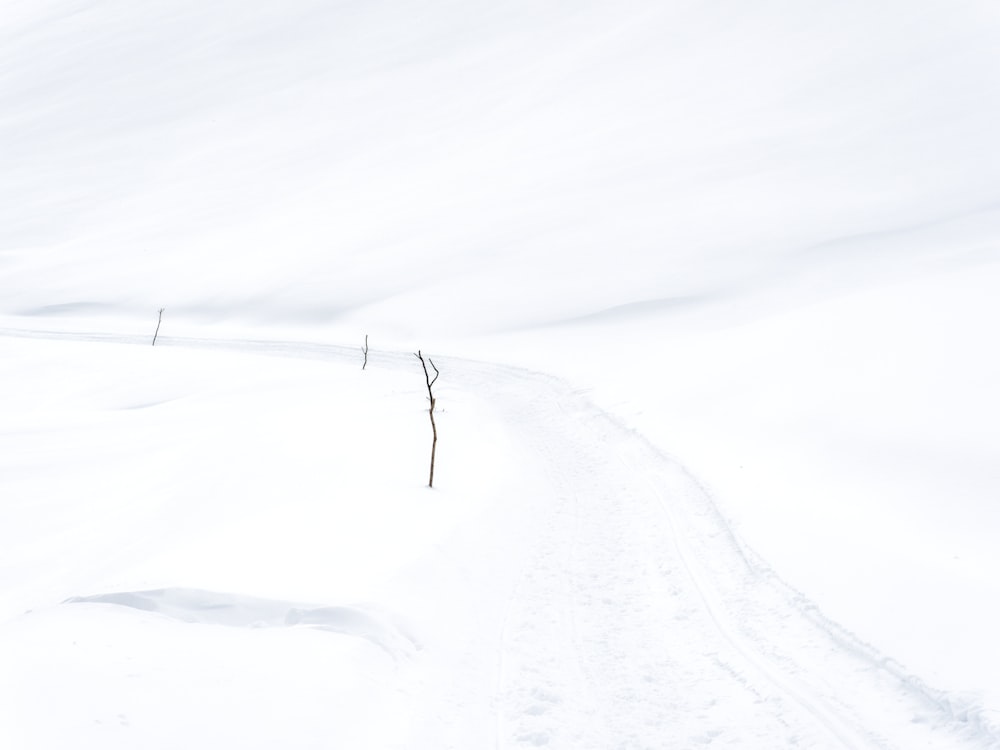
233,610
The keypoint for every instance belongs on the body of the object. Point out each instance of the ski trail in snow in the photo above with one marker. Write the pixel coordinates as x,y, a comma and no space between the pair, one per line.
645,665
862,697
640,620
612,490
842,730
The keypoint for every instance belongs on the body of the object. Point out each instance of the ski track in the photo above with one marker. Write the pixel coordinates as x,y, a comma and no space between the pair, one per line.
640,620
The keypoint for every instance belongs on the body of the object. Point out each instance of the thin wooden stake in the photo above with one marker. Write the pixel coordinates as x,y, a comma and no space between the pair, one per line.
430,394
158,321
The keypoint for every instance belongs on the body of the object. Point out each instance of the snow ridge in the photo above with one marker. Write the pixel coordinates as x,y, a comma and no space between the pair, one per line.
218,608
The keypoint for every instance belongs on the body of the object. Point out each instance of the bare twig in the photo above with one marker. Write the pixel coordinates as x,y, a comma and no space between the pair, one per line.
158,321
365,350
430,395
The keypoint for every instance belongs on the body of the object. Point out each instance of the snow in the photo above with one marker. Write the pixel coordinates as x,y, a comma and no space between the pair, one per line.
712,289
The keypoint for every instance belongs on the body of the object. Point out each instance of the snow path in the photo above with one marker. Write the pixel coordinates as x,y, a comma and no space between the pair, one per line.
624,611
640,623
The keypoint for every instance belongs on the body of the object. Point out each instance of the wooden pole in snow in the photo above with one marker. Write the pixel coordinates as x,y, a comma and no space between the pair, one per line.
430,394
158,321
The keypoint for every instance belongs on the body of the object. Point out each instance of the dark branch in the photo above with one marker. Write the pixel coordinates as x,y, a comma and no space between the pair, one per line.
158,321
430,394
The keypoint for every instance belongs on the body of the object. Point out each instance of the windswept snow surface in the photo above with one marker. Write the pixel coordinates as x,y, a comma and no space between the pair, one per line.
756,246
224,548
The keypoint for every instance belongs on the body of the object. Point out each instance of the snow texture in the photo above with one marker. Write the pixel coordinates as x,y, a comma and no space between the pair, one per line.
712,287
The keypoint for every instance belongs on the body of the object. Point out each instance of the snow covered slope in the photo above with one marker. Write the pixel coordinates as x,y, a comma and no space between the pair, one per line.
230,545
764,236
471,166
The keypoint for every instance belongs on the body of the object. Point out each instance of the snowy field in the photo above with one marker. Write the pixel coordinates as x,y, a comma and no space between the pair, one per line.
712,288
